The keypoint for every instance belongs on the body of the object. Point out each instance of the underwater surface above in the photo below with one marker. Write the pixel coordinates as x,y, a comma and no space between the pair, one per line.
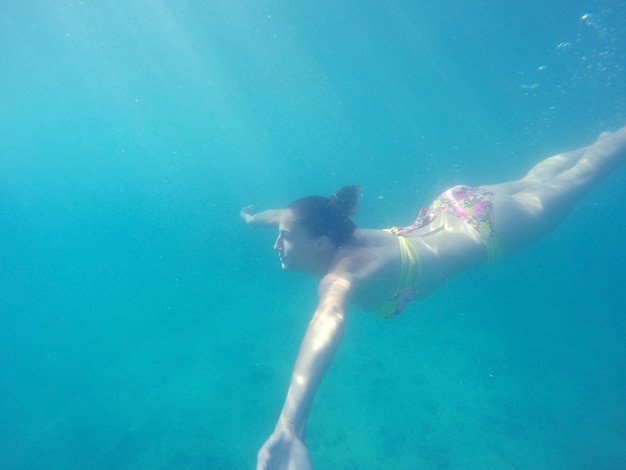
143,325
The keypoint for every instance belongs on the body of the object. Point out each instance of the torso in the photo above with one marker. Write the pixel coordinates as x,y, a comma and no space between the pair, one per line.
445,247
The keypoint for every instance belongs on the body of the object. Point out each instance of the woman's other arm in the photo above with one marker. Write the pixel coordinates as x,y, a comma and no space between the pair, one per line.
268,218
285,447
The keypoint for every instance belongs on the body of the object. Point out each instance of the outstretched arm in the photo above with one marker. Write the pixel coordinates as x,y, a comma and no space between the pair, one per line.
285,447
268,218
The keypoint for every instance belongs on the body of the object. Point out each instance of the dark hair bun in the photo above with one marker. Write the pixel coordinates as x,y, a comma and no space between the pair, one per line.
329,216
347,199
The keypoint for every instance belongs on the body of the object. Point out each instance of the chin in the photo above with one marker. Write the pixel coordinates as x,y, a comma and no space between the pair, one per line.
286,266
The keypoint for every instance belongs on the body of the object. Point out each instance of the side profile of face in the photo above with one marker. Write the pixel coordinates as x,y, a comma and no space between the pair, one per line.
297,249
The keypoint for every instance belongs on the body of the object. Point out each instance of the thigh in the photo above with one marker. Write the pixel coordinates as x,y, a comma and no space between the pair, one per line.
541,173
523,218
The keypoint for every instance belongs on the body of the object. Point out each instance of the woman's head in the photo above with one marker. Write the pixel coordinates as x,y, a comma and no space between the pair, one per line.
328,216
311,228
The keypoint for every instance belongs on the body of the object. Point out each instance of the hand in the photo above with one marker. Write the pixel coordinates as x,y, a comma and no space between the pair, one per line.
283,451
247,214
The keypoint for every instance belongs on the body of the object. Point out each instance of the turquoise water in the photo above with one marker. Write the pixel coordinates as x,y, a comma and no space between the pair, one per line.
142,325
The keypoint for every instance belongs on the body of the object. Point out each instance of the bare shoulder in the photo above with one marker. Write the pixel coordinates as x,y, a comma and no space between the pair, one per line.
367,247
371,236
366,268
336,281
335,292
370,252
368,243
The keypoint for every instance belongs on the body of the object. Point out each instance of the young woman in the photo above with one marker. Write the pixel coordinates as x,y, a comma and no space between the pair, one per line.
383,270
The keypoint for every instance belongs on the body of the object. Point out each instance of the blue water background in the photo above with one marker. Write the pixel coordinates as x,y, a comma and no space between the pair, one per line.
142,325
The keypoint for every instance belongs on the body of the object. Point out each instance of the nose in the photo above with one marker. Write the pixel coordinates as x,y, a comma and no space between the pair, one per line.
278,244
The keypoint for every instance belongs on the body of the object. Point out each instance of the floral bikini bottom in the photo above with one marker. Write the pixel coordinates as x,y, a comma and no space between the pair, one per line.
473,205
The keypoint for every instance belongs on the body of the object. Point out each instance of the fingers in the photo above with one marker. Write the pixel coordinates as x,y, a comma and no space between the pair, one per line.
247,210
247,213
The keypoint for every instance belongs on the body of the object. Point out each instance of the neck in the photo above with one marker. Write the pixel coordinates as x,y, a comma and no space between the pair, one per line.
324,262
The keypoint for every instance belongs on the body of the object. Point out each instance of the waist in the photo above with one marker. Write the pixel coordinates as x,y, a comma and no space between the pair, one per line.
409,280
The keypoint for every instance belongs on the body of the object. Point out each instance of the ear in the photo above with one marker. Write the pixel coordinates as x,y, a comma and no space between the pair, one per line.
322,244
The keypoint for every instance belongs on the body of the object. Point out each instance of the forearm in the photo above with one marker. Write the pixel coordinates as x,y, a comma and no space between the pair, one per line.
267,218
319,345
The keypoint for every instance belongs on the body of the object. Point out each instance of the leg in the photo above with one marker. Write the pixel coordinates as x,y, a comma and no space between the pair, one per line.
527,209
547,169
